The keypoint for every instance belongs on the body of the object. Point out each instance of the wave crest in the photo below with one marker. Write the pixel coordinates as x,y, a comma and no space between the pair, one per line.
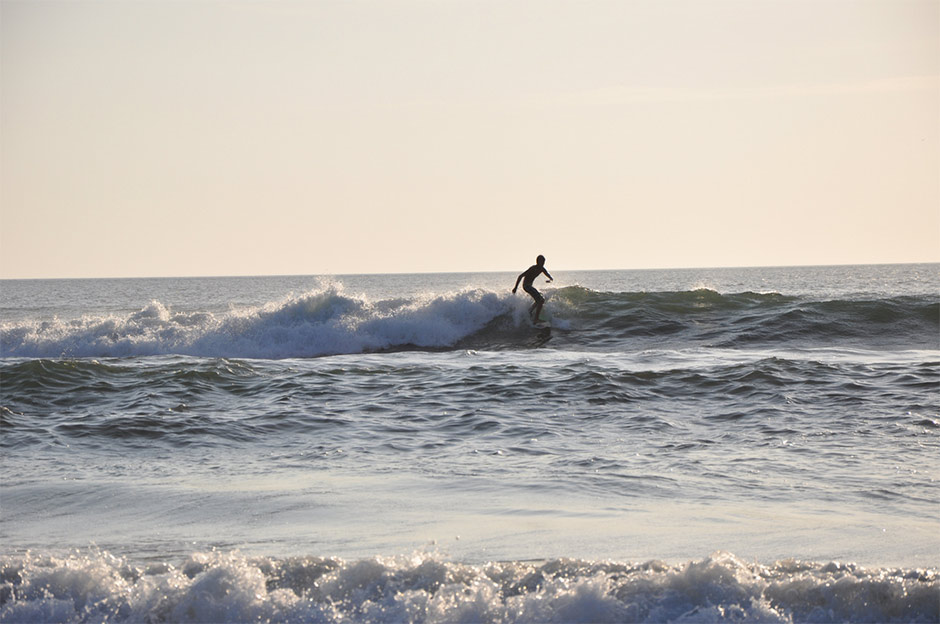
324,322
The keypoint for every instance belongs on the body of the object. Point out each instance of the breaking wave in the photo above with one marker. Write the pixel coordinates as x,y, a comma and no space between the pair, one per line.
229,587
319,323
328,322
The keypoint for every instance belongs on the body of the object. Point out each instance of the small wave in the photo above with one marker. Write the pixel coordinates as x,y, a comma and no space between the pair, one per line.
229,587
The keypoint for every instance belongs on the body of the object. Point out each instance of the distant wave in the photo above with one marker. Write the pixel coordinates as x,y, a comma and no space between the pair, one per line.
328,322
228,587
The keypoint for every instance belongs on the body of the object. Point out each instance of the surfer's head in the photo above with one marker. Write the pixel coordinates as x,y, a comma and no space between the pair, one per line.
540,260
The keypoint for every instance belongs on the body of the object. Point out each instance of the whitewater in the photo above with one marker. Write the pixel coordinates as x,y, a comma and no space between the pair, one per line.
714,445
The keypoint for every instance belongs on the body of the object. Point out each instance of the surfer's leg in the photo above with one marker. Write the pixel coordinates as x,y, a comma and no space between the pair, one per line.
536,308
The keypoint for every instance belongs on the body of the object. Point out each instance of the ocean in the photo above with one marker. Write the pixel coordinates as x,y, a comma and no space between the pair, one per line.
709,445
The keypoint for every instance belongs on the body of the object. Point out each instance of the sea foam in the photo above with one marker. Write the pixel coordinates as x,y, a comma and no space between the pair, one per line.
229,587
321,322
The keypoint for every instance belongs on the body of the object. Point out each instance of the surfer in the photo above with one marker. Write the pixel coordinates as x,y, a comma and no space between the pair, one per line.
528,276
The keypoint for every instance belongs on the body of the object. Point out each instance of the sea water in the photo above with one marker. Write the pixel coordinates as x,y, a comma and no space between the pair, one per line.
689,445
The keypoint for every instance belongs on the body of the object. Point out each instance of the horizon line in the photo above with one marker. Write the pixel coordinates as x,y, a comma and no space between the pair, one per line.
466,272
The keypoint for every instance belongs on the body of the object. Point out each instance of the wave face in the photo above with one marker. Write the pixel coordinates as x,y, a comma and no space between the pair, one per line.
329,322
228,587
707,318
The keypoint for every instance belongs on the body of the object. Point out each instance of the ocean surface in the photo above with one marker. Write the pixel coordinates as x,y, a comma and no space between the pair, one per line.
715,445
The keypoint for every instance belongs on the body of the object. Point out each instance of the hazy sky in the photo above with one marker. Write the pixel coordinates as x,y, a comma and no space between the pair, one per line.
146,138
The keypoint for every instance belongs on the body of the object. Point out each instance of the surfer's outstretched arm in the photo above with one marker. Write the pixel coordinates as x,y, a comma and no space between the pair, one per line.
547,274
518,279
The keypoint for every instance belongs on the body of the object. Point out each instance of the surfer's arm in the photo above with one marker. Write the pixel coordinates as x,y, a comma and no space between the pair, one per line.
548,275
518,279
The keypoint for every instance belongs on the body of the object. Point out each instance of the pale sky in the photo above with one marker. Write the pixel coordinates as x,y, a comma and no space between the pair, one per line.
144,138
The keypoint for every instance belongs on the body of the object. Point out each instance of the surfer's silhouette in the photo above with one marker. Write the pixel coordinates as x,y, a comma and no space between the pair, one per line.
528,276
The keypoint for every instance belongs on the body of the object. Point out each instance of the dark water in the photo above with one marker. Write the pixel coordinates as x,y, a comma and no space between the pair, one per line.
236,449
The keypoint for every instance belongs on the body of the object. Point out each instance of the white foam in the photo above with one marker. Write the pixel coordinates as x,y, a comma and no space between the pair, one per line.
321,322
229,587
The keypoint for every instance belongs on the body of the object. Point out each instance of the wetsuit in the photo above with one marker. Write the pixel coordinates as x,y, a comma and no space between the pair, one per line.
528,277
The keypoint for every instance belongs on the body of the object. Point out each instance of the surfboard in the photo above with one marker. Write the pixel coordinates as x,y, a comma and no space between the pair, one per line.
544,321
